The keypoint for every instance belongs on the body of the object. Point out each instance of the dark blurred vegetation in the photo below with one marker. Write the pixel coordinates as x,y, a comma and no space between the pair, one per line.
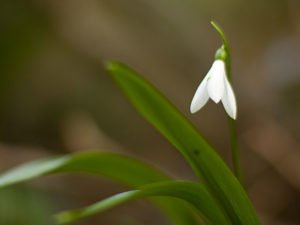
56,98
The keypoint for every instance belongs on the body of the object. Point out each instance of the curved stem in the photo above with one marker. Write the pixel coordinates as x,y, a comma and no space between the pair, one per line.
235,153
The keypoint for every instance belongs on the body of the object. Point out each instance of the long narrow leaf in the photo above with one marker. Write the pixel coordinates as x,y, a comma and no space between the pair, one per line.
178,130
193,193
121,168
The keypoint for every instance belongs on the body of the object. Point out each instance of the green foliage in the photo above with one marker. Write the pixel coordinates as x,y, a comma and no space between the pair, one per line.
156,109
219,200
123,169
194,193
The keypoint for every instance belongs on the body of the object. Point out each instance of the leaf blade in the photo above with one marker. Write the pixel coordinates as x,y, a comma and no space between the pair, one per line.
123,169
207,164
193,193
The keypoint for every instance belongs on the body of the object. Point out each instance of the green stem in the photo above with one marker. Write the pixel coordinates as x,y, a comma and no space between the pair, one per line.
235,153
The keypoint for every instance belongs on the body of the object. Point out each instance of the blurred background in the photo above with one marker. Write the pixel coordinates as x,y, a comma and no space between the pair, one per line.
56,98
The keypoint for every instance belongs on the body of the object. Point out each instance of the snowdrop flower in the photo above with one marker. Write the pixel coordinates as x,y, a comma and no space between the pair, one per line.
216,86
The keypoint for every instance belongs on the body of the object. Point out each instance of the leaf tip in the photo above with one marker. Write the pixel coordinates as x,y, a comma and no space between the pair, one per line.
212,22
63,218
114,68
110,65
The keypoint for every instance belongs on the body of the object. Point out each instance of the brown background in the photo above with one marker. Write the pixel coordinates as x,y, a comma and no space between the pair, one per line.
56,98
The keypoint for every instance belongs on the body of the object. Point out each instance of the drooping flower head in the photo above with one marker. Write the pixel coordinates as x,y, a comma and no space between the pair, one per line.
216,86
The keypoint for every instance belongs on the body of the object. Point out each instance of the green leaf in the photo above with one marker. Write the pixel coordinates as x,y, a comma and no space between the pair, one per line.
207,164
124,169
193,193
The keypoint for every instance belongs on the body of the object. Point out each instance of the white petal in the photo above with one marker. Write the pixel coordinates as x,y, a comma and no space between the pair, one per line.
216,82
200,97
229,101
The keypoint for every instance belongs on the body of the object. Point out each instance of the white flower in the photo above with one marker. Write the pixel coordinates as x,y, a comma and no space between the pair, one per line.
216,86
